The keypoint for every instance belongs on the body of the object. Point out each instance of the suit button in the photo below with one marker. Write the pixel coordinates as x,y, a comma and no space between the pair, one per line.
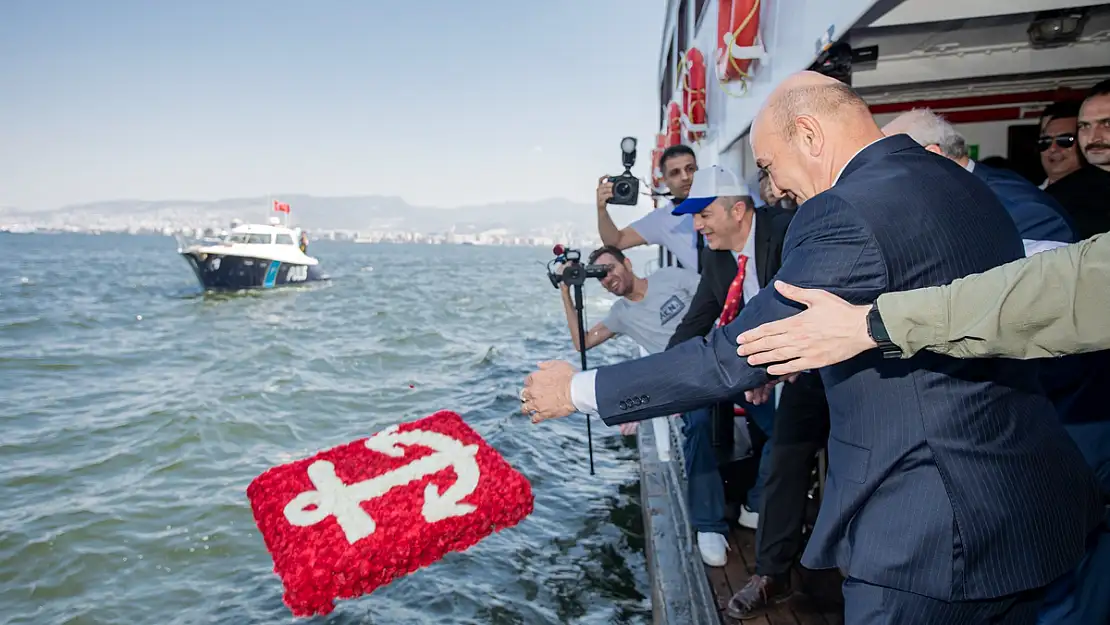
644,398
635,401
623,405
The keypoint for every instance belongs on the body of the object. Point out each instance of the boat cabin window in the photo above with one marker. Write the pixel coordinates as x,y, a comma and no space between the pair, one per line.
284,239
253,239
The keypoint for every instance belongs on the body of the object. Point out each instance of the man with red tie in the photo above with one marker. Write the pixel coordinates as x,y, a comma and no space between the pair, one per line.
742,254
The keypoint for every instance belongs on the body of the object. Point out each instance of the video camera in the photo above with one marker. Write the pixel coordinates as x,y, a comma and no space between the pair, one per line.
574,272
626,187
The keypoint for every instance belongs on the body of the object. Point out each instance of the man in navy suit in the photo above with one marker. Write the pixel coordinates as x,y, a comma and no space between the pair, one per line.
1042,223
950,498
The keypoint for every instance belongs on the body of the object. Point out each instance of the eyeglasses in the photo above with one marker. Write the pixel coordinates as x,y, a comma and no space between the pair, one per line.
1064,141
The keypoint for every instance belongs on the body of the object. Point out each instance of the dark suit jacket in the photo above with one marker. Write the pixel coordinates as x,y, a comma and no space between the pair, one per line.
718,272
1075,384
1084,195
1037,215
947,478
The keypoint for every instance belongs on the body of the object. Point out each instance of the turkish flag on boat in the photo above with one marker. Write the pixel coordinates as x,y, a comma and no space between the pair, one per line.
353,518
281,207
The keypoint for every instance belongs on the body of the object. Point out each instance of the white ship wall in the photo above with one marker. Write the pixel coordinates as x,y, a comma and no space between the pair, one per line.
793,32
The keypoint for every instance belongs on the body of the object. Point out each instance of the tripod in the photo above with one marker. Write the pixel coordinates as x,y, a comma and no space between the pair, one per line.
582,351
574,273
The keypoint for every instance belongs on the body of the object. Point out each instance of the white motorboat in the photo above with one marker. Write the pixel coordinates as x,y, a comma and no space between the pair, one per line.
252,256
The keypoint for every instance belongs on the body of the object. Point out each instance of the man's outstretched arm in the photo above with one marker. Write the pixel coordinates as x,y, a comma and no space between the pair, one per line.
825,248
1050,304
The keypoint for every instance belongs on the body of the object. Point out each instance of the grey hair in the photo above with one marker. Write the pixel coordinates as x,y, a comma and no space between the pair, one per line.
928,128
728,201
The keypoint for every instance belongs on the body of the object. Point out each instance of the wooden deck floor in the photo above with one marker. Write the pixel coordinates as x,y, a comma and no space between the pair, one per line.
817,599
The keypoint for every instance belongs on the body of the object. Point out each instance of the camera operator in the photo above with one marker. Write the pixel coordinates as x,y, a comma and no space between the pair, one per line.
659,227
649,309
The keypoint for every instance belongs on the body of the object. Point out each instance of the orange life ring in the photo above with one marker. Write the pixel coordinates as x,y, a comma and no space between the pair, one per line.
737,28
693,94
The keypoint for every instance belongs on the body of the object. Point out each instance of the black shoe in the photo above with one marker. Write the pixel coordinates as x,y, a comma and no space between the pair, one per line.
761,593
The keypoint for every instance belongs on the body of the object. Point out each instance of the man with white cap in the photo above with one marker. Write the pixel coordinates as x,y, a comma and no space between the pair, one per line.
743,251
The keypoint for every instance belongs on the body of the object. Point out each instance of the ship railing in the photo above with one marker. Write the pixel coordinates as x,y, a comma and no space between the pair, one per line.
680,590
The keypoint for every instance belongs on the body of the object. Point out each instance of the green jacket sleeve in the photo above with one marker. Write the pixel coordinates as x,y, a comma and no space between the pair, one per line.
1050,304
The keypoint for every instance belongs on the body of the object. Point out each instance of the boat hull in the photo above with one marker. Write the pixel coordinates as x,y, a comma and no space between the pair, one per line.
227,272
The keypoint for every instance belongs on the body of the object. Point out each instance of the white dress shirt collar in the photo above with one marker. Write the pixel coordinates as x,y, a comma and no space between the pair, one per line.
749,245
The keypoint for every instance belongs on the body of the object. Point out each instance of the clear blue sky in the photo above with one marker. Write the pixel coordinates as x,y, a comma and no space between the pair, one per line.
443,102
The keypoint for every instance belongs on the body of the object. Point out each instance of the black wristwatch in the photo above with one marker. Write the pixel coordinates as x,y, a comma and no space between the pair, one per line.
877,331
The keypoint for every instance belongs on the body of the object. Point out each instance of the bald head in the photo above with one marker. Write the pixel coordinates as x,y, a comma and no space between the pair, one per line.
814,95
809,128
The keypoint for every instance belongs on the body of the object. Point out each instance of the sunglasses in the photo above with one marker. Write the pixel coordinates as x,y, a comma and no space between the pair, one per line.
1064,141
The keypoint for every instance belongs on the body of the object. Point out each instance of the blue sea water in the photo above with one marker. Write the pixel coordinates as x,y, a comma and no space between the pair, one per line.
136,409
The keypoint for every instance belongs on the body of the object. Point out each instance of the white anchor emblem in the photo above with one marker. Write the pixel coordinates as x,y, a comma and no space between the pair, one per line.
331,497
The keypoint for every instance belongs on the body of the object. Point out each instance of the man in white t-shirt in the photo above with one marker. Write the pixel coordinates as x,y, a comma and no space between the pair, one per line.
649,309
659,227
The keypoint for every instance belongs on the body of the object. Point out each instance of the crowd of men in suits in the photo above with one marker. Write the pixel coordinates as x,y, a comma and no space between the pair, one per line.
955,493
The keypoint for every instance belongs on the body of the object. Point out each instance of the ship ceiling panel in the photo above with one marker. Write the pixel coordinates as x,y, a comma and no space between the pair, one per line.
974,50
1060,84
901,12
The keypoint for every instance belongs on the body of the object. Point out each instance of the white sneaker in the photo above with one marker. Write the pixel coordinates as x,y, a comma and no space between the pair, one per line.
713,548
748,518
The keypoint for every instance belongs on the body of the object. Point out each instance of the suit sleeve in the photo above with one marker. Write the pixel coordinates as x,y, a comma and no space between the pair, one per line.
1050,304
704,310
826,248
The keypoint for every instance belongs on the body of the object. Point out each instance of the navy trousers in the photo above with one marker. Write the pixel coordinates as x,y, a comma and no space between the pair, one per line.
763,417
705,492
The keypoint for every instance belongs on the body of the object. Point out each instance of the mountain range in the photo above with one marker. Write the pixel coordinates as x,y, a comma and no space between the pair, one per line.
352,213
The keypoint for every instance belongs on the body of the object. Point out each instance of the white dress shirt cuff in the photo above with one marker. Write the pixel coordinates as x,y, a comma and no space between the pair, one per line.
582,392
1036,247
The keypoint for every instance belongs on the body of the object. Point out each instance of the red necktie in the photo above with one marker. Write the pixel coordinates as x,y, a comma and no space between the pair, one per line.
735,295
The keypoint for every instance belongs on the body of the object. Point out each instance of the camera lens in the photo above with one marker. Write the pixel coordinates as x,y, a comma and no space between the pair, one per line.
623,189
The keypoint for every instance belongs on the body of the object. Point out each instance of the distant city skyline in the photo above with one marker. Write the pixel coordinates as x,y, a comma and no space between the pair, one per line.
440,103
369,218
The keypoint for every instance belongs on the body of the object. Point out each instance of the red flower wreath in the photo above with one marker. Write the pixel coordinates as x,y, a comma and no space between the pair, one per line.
355,517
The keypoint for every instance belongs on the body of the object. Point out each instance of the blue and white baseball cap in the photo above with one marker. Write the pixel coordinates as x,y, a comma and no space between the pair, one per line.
709,184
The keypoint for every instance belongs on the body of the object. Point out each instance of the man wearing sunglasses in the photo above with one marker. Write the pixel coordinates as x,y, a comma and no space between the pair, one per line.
1085,193
1059,156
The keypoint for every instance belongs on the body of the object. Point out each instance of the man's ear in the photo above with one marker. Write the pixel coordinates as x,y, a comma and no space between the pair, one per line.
810,134
934,148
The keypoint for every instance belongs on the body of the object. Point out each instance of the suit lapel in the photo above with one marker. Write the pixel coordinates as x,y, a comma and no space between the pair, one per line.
763,249
725,268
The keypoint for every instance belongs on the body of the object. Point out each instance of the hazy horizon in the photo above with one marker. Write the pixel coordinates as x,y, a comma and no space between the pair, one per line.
287,196
441,104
